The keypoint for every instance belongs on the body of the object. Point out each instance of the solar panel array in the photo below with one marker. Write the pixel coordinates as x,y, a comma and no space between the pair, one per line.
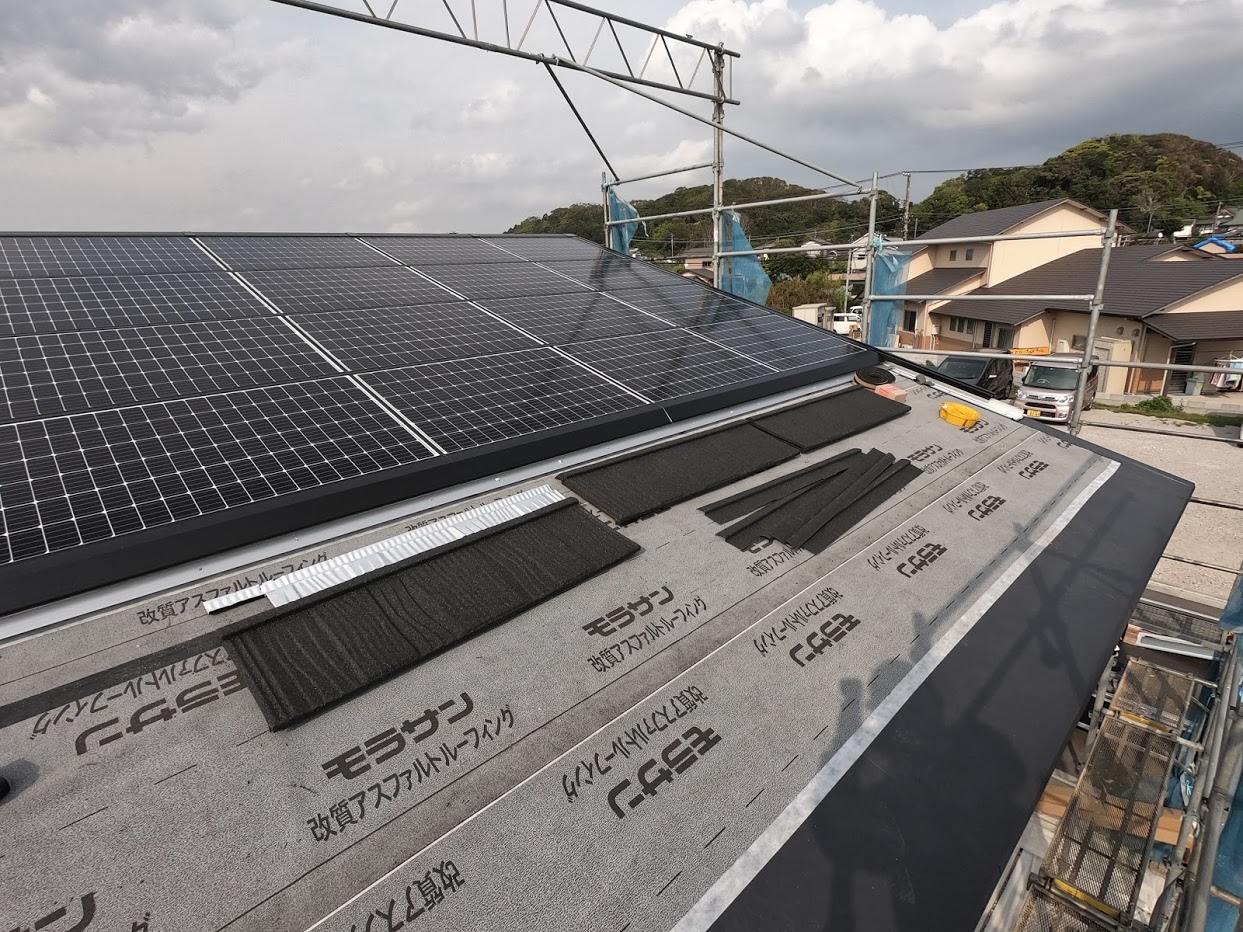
146,380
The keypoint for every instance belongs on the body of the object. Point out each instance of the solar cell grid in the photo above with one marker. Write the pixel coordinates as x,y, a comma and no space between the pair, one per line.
45,256
501,280
293,252
540,248
90,477
667,364
689,307
571,318
48,374
451,249
614,271
387,338
306,290
46,305
779,342
467,403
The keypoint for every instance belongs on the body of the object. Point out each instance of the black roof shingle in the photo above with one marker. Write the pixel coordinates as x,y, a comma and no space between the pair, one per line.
1137,285
992,222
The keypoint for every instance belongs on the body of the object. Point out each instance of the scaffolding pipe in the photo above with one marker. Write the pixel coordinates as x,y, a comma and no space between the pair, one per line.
621,80
699,212
823,195
996,238
1209,566
1034,358
1164,911
718,158
1094,319
870,270
787,249
1165,433
1201,884
983,297
672,171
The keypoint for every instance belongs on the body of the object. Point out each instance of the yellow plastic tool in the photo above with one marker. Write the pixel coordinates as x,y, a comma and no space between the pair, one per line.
959,415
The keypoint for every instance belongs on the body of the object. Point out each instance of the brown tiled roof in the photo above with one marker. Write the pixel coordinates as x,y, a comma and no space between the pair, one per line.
1199,325
1136,286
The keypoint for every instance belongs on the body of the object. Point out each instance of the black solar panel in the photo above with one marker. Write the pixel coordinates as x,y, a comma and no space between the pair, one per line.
501,280
44,256
692,306
614,271
571,318
386,338
89,477
453,249
342,289
470,402
58,373
46,305
667,364
293,252
550,247
779,341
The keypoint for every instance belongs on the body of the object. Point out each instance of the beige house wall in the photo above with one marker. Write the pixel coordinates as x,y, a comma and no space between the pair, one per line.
1068,324
1209,351
1034,333
1228,296
920,263
1018,256
980,253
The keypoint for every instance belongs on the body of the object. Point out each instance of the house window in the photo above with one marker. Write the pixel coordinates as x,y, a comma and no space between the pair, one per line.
953,255
962,325
909,320
1079,341
970,254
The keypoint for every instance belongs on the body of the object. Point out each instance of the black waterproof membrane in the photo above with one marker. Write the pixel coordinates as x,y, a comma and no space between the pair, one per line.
303,657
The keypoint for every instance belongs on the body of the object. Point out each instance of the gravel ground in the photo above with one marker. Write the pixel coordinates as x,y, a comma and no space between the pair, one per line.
1213,535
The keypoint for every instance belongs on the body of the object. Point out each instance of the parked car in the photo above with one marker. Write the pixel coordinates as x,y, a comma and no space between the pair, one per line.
1048,387
844,322
995,376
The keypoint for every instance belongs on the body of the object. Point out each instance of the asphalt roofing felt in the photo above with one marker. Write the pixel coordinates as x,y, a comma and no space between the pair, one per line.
554,723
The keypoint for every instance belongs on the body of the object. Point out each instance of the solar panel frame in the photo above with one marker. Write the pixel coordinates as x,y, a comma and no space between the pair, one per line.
449,249
780,342
394,337
667,364
55,256
44,375
501,280
295,291
267,253
463,404
573,318
109,302
92,477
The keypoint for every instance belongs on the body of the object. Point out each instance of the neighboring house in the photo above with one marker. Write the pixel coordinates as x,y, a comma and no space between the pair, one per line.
701,274
1220,247
963,267
698,258
1161,304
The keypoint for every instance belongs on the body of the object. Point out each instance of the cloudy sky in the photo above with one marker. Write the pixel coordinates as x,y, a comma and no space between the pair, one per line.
251,115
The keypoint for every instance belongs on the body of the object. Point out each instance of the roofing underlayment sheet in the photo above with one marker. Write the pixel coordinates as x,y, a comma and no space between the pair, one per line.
699,737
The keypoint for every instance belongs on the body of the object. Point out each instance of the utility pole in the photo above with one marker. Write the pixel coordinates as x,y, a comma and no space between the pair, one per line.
718,158
906,208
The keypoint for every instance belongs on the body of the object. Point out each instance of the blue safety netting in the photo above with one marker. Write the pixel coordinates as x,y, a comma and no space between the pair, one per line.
741,275
621,235
888,277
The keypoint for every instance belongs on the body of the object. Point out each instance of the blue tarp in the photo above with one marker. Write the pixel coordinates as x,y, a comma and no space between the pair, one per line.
741,275
621,235
888,277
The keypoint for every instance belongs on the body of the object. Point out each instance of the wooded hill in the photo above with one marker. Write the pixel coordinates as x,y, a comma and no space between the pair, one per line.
1158,182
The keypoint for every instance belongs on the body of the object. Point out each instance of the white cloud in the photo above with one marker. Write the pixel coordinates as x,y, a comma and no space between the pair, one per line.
184,114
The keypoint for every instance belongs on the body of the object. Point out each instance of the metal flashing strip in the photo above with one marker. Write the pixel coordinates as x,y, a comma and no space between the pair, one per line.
320,576
727,888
